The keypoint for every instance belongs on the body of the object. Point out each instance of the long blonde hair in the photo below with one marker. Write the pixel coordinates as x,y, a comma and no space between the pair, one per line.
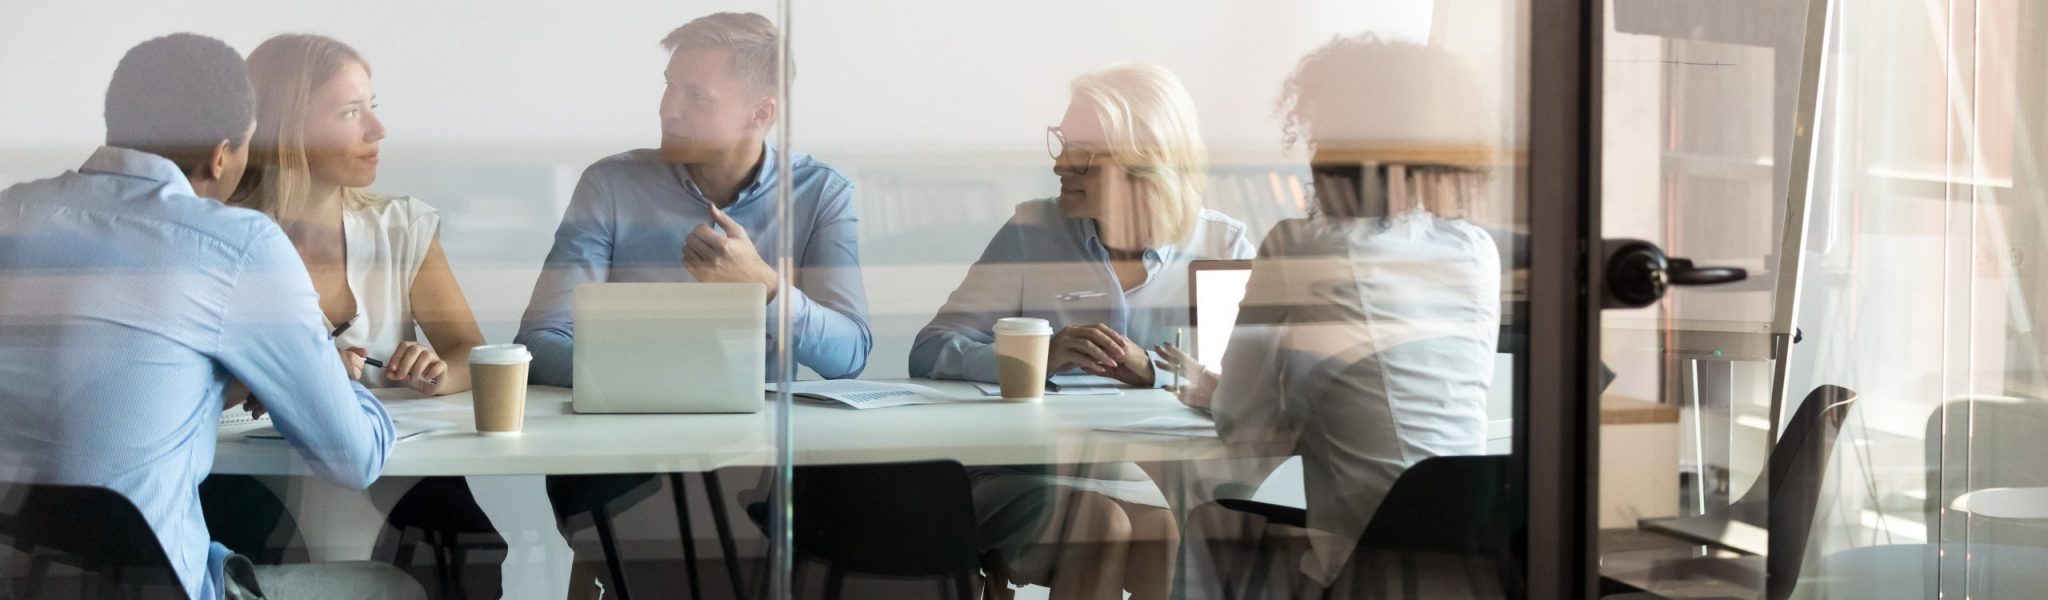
285,71
1153,133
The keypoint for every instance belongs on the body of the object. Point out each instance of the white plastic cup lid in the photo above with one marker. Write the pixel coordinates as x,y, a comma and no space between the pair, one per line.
1022,326
500,354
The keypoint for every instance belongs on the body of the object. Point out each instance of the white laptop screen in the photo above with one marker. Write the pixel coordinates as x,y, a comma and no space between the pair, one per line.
1215,289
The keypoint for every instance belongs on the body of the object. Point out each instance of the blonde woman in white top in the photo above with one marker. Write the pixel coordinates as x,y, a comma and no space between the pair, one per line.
376,260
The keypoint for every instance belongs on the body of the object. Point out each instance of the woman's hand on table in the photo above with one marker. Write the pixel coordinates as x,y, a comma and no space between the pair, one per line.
416,367
1099,350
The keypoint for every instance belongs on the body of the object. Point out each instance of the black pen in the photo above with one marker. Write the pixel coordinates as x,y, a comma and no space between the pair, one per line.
380,364
367,360
1050,386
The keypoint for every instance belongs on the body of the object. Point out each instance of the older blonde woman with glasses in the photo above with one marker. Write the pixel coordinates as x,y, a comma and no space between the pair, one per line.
1106,263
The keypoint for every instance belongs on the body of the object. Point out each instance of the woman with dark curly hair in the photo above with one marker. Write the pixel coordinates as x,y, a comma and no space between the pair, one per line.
1367,335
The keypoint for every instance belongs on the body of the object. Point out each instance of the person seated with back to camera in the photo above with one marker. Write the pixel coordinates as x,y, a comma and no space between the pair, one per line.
1368,331
129,285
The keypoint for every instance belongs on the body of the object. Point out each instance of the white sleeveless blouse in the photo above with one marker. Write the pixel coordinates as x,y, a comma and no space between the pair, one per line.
387,240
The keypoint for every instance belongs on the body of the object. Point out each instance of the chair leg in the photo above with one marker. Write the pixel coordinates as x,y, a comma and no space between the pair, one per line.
835,582
1411,577
442,570
110,585
38,571
404,557
716,493
963,586
458,566
612,560
675,484
1255,584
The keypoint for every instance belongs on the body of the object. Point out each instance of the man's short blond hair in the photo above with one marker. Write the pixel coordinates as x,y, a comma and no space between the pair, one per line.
1154,134
753,39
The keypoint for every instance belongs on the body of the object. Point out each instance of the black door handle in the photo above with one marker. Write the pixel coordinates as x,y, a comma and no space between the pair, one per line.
1638,273
1682,272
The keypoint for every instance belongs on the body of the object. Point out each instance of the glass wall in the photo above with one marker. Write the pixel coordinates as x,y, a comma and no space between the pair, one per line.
1266,254
503,136
1068,300
1914,350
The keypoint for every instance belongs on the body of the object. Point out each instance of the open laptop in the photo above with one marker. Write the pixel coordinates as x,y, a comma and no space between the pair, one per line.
1215,288
670,347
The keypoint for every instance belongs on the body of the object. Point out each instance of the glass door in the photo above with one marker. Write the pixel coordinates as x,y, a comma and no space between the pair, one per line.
1200,300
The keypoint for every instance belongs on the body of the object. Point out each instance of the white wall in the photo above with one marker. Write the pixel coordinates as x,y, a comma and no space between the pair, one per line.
936,108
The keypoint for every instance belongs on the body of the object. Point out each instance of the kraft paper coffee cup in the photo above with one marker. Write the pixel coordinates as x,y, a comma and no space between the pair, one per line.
1021,348
497,375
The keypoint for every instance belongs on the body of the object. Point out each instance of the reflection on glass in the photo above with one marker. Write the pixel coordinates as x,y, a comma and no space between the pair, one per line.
700,208
570,336
1367,335
1105,265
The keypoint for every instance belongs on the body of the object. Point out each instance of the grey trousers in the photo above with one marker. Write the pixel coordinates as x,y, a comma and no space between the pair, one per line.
246,581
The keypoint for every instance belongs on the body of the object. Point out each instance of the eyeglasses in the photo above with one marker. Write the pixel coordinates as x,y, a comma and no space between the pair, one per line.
1056,145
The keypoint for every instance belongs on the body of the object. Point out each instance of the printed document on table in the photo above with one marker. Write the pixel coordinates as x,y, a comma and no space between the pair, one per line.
858,394
1070,385
403,430
1191,424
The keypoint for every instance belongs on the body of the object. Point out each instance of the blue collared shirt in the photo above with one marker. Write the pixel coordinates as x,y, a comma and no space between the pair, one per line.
627,222
127,304
1043,265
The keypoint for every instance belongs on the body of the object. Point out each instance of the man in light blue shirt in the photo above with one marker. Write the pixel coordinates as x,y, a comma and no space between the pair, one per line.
129,299
702,208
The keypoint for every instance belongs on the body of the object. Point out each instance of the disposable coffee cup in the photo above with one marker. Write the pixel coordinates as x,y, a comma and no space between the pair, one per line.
497,374
1021,348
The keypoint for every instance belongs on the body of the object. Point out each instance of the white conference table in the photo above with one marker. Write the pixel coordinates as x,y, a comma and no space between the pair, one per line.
342,525
556,441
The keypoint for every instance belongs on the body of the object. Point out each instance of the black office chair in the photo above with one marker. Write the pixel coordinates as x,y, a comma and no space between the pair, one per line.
1790,490
1989,560
596,498
1785,497
442,514
899,521
582,501
248,518
95,530
1462,506
2000,442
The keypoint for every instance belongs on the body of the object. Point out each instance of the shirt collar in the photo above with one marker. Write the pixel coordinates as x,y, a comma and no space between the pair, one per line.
763,181
1092,239
139,164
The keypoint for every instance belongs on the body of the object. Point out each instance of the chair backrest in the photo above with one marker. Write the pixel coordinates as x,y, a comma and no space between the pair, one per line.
897,520
1983,442
1447,504
94,529
1790,489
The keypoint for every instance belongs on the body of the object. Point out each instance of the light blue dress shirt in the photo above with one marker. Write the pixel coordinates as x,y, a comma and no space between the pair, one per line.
1044,265
127,304
627,222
